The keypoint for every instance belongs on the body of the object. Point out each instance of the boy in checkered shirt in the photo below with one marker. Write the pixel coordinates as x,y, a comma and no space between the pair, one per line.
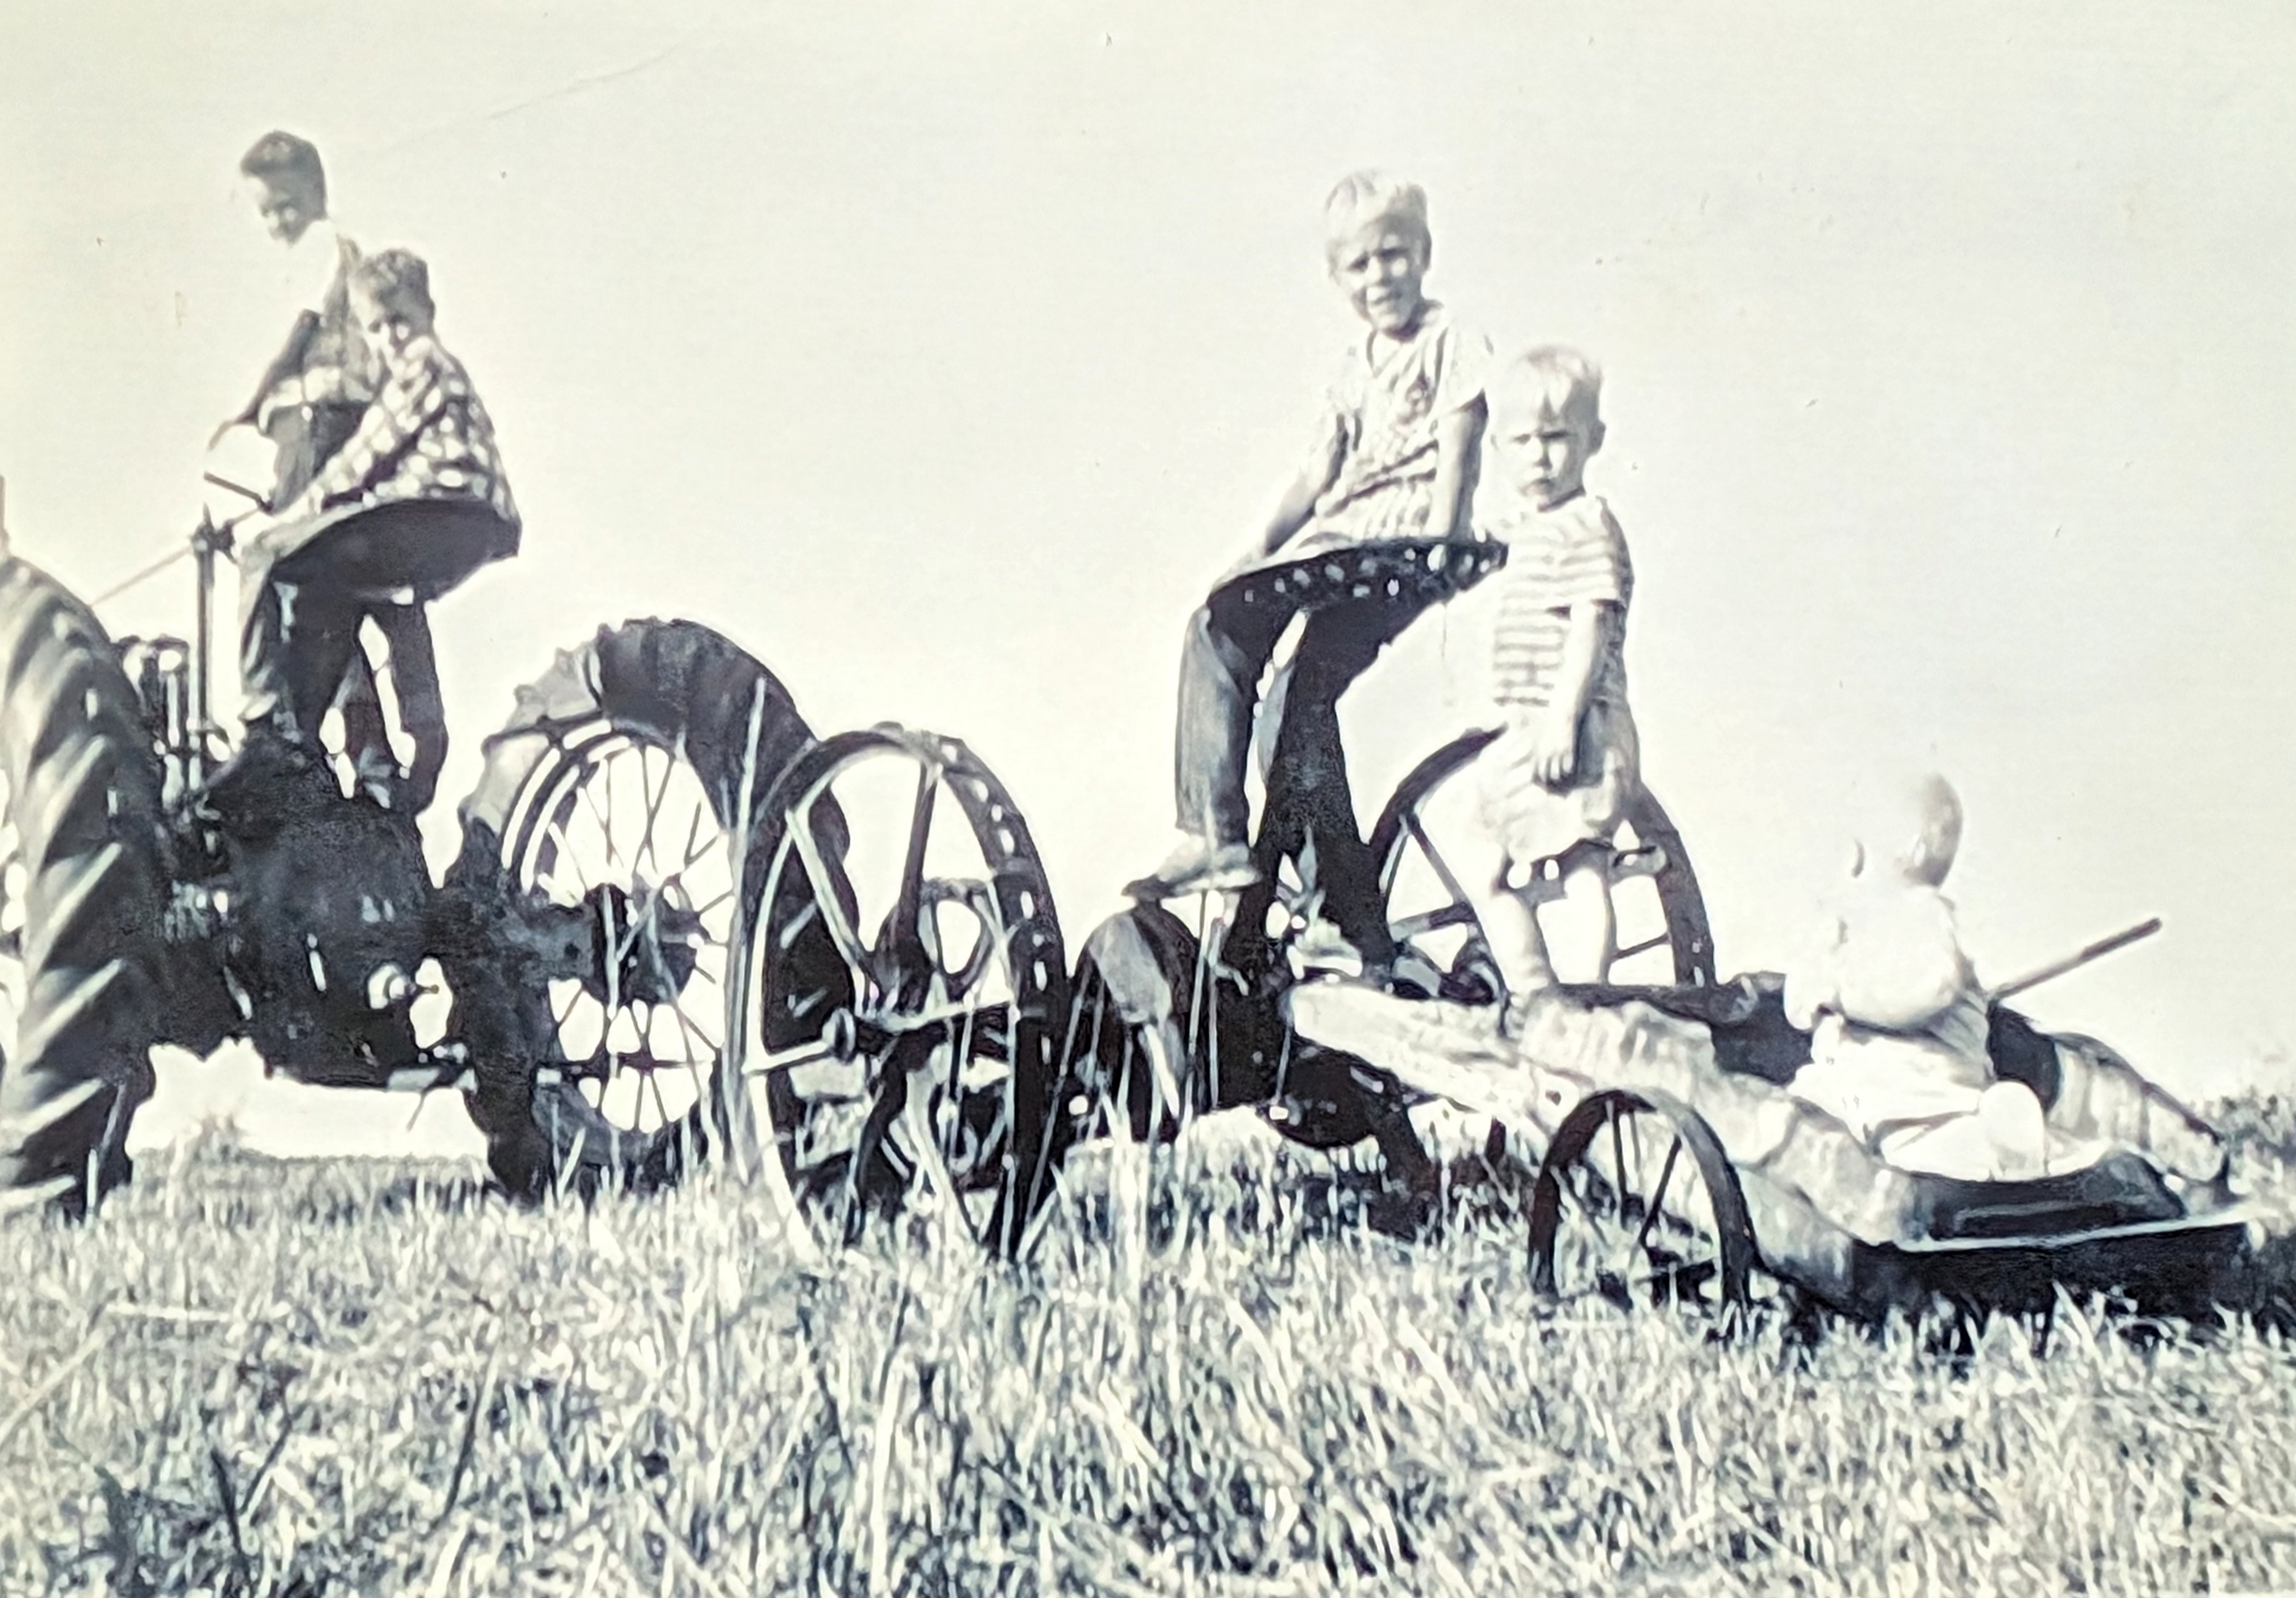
1555,784
410,505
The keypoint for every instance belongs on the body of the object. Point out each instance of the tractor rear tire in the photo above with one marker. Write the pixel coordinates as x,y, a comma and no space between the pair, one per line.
694,699
82,803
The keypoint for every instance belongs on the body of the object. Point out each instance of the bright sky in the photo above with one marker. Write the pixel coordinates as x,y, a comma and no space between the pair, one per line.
942,354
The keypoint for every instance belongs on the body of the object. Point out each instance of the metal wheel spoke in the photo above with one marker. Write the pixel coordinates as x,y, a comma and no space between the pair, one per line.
559,851
1658,1194
1413,927
846,938
693,831
653,804
652,1079
905,925
605,823
796,927
703,977
692,1028
1434,856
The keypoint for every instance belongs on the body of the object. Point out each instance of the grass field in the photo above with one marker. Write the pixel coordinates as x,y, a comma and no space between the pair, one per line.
252,1377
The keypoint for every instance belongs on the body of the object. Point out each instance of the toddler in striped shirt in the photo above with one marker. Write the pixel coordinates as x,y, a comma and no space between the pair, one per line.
1555,783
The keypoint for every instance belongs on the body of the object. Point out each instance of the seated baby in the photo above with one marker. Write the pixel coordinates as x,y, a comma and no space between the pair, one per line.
1898,1022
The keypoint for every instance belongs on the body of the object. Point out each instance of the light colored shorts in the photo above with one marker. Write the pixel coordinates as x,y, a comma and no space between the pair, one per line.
1536,822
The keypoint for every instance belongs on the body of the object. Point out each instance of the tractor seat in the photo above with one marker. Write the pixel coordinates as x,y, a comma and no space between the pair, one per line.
1409,573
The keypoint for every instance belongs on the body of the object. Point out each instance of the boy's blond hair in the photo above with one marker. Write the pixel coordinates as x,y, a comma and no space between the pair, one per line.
1562,382
1361,199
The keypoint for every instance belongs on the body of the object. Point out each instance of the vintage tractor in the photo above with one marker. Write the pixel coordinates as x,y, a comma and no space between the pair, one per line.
610,855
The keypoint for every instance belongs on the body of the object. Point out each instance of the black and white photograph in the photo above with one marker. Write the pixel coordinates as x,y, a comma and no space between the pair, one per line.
1025,799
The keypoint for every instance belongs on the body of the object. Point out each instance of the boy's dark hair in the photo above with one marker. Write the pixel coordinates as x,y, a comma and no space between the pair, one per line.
398,280
280,157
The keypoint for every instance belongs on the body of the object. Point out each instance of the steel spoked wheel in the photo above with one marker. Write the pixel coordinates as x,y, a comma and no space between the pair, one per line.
600,866
622,835
1636,1205
1439,943
907,992
1429,851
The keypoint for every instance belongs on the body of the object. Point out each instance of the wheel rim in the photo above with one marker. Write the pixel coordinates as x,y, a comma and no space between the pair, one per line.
623,829
1663,931
900,986
1422,847
1635,1206
1438,939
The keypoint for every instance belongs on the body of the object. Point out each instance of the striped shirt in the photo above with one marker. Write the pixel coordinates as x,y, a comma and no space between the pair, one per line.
1572,554
1389,404
425,437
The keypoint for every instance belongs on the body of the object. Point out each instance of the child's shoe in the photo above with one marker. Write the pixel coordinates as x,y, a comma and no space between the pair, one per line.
1198,865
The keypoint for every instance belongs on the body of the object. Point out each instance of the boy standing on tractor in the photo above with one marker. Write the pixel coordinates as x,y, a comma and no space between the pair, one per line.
310,397
1556,782
410,506
1394,459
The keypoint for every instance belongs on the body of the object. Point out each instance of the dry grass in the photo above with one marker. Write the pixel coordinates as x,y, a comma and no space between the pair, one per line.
255,1378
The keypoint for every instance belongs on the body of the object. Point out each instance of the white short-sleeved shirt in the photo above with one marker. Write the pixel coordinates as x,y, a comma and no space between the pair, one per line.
313,263
1390,402
338,367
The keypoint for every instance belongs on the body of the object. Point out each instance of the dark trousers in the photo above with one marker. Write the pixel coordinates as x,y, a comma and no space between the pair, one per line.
1309,799
299,637
308,436
1226,651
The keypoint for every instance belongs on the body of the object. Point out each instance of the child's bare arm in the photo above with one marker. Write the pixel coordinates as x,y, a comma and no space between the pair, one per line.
1555,758
389,423
1812,986
1461,436
1297,506
285,364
